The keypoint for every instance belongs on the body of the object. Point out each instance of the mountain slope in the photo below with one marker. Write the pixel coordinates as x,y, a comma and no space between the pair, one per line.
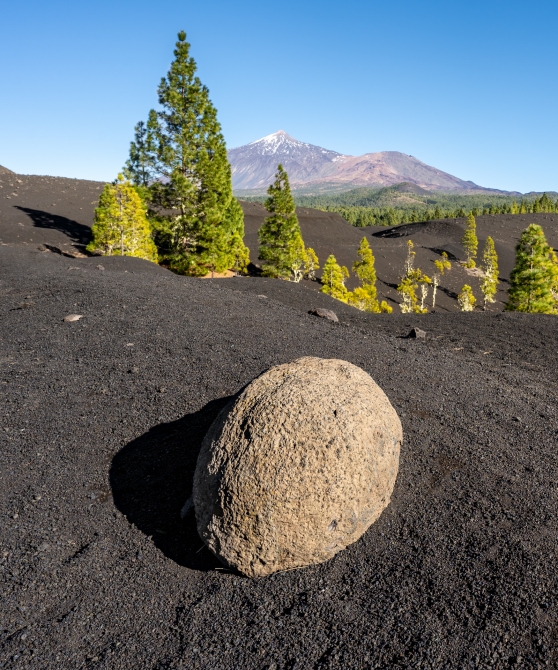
254,165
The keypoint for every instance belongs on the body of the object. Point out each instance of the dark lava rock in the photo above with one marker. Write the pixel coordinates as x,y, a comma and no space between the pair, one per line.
417,333
325,314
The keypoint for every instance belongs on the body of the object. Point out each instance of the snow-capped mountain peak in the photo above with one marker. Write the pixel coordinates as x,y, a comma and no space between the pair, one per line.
254,166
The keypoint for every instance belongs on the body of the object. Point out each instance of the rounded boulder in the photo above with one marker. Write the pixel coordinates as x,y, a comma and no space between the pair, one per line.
296,467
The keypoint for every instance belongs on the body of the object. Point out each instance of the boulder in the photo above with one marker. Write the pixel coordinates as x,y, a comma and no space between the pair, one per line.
324,314
296,467
417,334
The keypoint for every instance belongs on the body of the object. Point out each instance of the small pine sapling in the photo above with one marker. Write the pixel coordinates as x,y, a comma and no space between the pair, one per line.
333,280
298,259
489,282
470,241
435,284
444,264
121,226
410,260
424,283
466,299
311,264
365,296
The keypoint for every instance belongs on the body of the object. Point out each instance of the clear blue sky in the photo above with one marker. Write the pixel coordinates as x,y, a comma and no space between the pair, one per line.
469,87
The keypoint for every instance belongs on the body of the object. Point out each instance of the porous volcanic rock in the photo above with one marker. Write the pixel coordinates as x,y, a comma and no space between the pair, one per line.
296,467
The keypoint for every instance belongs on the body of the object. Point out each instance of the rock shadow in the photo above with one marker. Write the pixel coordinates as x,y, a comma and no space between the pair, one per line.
78,232
152,477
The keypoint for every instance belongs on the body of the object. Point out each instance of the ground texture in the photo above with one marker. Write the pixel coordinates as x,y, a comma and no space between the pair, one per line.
101,423
58,213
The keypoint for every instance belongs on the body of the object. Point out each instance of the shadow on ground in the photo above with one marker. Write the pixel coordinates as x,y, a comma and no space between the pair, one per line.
151,478
78,232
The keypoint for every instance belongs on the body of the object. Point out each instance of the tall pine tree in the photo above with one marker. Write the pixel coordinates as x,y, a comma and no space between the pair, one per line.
279,236
534,275
182,155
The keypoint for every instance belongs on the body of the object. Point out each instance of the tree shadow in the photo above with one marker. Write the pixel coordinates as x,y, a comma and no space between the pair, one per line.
437,250
78,232
152,477
448,292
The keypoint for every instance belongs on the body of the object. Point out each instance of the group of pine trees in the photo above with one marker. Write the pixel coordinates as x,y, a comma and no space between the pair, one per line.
284,255
174,203
360,216
364,297
178,192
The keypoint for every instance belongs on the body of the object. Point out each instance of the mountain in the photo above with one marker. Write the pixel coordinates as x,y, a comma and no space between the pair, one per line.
4,170
254,165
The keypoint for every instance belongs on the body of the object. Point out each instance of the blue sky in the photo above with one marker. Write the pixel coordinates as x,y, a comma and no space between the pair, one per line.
468,87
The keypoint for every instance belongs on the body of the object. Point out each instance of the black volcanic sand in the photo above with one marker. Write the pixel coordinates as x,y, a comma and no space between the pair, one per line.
329,233
47,210
58,212
101,425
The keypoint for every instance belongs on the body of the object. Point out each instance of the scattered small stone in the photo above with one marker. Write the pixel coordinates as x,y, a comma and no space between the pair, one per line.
325,314
417,333
100,267
262,296
73,317
42,247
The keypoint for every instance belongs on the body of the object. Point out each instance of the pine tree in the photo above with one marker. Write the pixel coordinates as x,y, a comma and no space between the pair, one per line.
365,296
444,264
333,280
489,283
279,235
435,284
407,291
139,167
121,227
466,300
311,265
410,260
182,155
470,241
534,275
234,222
298,259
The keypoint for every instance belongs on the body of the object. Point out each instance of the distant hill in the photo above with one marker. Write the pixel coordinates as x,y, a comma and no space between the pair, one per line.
4,170
312,167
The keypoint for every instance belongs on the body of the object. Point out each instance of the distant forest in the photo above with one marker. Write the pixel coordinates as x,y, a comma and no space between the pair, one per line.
407,203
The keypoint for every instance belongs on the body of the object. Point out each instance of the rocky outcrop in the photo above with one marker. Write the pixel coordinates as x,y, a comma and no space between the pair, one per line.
296,467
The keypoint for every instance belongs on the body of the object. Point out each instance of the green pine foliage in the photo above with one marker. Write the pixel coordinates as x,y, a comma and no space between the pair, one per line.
398,204
466,299
489,282
364,297
279,236
533,280
443,264
121,227
470,241
407,290
181,157
333,280
312,264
